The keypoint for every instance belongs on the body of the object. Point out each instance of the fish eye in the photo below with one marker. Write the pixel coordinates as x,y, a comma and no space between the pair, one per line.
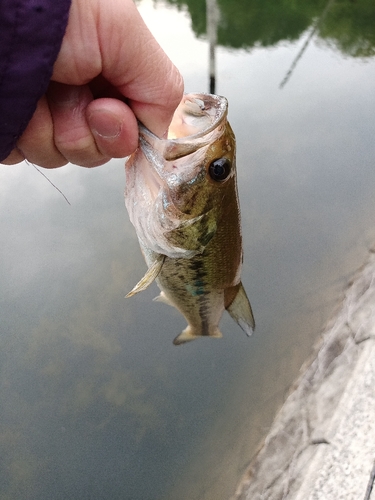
219,169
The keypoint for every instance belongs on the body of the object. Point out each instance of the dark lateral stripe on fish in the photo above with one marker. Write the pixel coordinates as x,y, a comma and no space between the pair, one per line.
203,312
200,291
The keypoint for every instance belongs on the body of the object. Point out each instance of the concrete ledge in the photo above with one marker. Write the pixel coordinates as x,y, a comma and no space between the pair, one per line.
322,443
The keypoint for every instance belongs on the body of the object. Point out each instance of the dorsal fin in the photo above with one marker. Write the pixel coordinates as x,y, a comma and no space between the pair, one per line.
240,310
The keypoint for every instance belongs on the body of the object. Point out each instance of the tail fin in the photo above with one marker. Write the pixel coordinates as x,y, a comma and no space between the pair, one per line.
191,334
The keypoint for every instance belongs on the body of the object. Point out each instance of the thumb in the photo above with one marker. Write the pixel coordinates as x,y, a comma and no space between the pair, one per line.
135,64
113,126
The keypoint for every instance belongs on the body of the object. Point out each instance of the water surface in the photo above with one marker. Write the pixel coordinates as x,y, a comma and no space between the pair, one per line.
96,402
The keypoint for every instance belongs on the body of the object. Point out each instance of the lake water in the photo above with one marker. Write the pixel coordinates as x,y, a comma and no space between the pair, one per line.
95,401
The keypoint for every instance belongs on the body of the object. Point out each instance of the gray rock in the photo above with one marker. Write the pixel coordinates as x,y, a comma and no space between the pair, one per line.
321,445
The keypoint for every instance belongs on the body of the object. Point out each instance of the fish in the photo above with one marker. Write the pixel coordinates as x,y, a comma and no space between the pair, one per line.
182,199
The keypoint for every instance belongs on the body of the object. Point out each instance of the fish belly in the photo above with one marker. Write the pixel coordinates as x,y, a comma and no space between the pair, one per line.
185,284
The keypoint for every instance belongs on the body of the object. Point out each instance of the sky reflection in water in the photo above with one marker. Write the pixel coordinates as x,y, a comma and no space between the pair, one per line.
96,402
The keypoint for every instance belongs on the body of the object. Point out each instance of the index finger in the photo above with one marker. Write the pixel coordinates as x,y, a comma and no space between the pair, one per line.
138,67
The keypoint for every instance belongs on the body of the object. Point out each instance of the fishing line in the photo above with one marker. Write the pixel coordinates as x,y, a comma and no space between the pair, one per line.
49,180
314,27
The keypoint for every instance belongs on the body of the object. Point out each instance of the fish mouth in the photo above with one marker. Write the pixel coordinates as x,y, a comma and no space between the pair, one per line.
197,115
198,120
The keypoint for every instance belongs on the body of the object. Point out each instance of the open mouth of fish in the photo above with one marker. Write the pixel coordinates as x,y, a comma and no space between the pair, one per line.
198,121
197,116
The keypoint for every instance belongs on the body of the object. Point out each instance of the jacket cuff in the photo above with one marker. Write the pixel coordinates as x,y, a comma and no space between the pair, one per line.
30,39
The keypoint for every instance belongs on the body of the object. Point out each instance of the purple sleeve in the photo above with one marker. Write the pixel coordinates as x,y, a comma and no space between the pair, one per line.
31,32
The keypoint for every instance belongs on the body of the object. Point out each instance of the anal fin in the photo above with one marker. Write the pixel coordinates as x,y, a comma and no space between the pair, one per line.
149,277
240,310
164,299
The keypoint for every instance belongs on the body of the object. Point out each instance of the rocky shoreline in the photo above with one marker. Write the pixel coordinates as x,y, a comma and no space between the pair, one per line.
321,445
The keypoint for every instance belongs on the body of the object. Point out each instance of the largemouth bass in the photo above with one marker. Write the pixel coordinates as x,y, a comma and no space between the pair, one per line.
181,196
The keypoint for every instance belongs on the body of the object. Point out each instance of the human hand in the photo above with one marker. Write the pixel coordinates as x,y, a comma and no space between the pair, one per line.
110,72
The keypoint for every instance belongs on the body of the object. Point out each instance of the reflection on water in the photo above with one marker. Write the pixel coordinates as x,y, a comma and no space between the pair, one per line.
213,18
243,24
95,401
313,30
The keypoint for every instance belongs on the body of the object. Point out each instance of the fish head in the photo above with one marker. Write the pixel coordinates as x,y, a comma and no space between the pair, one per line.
176,185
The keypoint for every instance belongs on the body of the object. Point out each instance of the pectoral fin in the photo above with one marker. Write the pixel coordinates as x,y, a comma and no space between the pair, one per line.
193,234
240,310
149,277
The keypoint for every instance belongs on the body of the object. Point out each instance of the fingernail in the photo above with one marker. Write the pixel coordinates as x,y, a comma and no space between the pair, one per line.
104,124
